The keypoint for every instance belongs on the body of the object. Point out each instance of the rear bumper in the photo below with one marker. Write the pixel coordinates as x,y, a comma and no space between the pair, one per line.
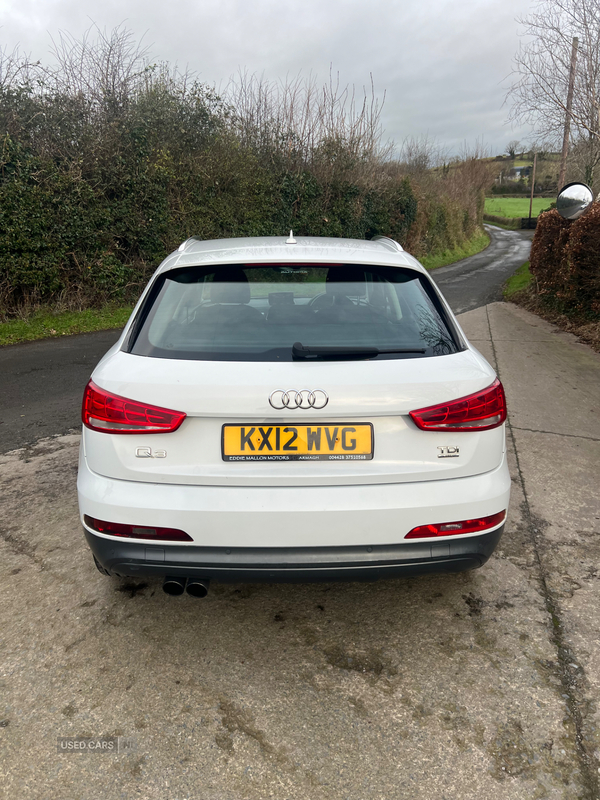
247,517
293,564
294,534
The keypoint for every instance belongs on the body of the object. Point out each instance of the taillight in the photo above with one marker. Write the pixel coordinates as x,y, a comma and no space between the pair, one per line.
480,411
454,528
137,531
109,413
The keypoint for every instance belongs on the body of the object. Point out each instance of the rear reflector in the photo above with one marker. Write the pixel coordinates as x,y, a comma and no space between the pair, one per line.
137,531
480,411
109,413
454,528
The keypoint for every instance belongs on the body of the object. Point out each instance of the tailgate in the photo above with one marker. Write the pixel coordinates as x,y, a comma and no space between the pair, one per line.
363,432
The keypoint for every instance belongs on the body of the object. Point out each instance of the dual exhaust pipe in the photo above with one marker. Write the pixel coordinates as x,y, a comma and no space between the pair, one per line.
196,587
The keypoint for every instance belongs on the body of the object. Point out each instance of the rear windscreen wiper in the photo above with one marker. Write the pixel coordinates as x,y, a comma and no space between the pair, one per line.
300,351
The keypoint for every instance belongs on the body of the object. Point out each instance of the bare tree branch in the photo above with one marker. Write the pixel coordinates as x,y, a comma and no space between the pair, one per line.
101,66
540,79
302,123
16,69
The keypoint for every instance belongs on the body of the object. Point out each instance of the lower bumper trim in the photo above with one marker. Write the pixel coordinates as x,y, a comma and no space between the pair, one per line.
293,564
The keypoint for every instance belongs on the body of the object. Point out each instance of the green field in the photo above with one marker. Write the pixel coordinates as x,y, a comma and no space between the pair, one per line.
515,206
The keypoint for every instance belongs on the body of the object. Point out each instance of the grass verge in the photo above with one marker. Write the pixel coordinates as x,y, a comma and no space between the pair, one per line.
518,281
475,245
45,324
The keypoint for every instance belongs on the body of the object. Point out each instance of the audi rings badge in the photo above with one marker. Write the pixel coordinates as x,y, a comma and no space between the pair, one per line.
304,398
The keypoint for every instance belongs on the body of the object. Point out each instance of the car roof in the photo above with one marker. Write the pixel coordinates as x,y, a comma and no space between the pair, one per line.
277,249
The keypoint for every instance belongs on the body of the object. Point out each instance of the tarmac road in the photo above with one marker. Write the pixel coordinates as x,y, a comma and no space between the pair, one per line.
478,686
478,280
42,382
42,385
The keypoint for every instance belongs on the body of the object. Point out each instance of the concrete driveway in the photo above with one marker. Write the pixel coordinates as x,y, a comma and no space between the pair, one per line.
477,686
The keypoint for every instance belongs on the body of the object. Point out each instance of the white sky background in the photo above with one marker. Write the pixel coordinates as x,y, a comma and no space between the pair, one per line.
443,64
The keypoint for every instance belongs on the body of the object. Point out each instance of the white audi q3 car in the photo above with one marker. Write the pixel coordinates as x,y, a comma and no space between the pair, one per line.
291,410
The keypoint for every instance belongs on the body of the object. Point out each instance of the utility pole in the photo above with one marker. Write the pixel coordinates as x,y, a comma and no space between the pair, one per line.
532,187
565,147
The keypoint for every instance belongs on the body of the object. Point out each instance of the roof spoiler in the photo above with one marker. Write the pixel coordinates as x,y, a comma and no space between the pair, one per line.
391,243
183,245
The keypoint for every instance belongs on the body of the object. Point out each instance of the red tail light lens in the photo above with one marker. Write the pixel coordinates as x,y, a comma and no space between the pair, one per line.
480,411
137,531
454,528
109,413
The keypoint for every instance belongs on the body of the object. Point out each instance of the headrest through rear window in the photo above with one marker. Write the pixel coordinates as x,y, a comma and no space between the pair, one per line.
339,277
230,286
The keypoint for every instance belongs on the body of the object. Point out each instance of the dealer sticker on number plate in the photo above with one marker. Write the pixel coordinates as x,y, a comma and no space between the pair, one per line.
346,441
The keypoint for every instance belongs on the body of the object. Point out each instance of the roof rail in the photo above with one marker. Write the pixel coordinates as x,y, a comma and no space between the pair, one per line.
386,240
183,245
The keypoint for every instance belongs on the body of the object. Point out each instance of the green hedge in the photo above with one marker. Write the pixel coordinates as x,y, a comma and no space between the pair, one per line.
94,195
565,260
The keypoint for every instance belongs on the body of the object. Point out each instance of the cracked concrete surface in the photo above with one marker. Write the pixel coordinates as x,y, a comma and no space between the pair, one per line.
553,388
475,686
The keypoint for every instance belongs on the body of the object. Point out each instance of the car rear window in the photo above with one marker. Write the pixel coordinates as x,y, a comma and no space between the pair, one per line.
258,313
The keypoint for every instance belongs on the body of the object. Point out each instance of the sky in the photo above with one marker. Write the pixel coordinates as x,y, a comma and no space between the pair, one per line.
442,65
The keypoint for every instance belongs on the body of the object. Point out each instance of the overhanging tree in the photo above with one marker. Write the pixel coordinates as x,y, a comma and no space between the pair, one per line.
540,87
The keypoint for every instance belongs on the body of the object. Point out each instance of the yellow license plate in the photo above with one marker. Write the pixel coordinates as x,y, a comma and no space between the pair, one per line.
345,441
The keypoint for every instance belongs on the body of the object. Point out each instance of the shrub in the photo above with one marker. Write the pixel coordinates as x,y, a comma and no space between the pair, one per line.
583,255
511,188
565,262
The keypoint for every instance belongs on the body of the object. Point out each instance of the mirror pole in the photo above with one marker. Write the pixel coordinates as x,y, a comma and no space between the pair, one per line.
565,147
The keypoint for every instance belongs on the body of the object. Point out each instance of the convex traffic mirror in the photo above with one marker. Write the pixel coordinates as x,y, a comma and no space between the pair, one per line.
573,199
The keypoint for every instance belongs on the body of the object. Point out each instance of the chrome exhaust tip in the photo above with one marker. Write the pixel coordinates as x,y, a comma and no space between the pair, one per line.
173,585
198,587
